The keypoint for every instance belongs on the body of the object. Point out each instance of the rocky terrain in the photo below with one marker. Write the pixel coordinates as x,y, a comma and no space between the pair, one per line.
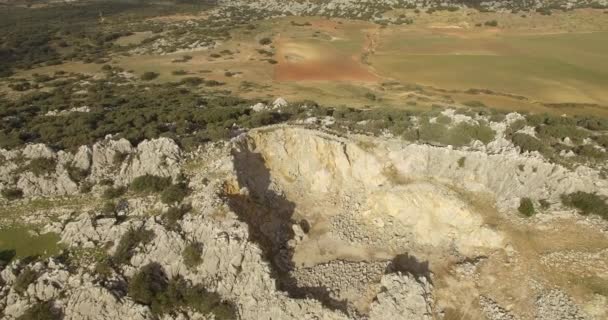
289,222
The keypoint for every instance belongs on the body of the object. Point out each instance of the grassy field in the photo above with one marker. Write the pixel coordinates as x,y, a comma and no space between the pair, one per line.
19,240
547,67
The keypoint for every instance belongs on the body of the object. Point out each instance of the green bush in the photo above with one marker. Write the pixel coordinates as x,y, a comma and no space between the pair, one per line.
114,192
526,207
41,311
42,166
461,162
192,254
174,193
129,241
174,215
108,208
150,183
150,286
527,143
265,41
491,23
586,203
26,277
76,174
12,193
149,75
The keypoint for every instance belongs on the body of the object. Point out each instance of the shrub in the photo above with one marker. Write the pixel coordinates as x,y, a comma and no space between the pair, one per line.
527,143
179,72
41,311
76,174
175,214
265,41
108,208
149,75
192,254
526,207
42,166
461,162
12,193
129,241
174,193
112,192
119,157
24,279
491,23
586,203
150,183
544,204
150,286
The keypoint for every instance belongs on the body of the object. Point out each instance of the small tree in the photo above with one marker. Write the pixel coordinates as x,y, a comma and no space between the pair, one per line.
149,75
41,311
24,279
192,254
526,207
12,193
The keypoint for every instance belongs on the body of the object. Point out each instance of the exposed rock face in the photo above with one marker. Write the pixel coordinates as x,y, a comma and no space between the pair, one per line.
115,160
403,297
299,224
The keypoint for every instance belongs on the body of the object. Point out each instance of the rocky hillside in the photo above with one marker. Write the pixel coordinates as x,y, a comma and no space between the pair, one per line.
288,222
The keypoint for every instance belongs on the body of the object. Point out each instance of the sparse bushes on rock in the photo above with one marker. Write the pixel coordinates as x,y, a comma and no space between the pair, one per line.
114,192
587,203
151,287
526,207
527,143
41,311
192,254
174,193
150,183
129,241
12,193
174,215
41,166
26,277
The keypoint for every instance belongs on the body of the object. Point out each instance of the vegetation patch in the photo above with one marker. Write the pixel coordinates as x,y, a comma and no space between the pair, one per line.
151,287
150,183
129,241
526,207
192,254
587,203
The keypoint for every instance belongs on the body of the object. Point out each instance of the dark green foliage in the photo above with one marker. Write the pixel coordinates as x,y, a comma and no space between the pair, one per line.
108,208
12,193
76,174
41,311
527,143
491,23
174,193
150,183
526,207
192,254
129,241
149,75
587,203
265,41
191,81
590,151
104,267
174,215
461,162
544,204
41,166
151,287
114,192
26,277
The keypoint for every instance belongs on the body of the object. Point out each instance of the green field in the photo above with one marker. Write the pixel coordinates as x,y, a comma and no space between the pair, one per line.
17,241
547,67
